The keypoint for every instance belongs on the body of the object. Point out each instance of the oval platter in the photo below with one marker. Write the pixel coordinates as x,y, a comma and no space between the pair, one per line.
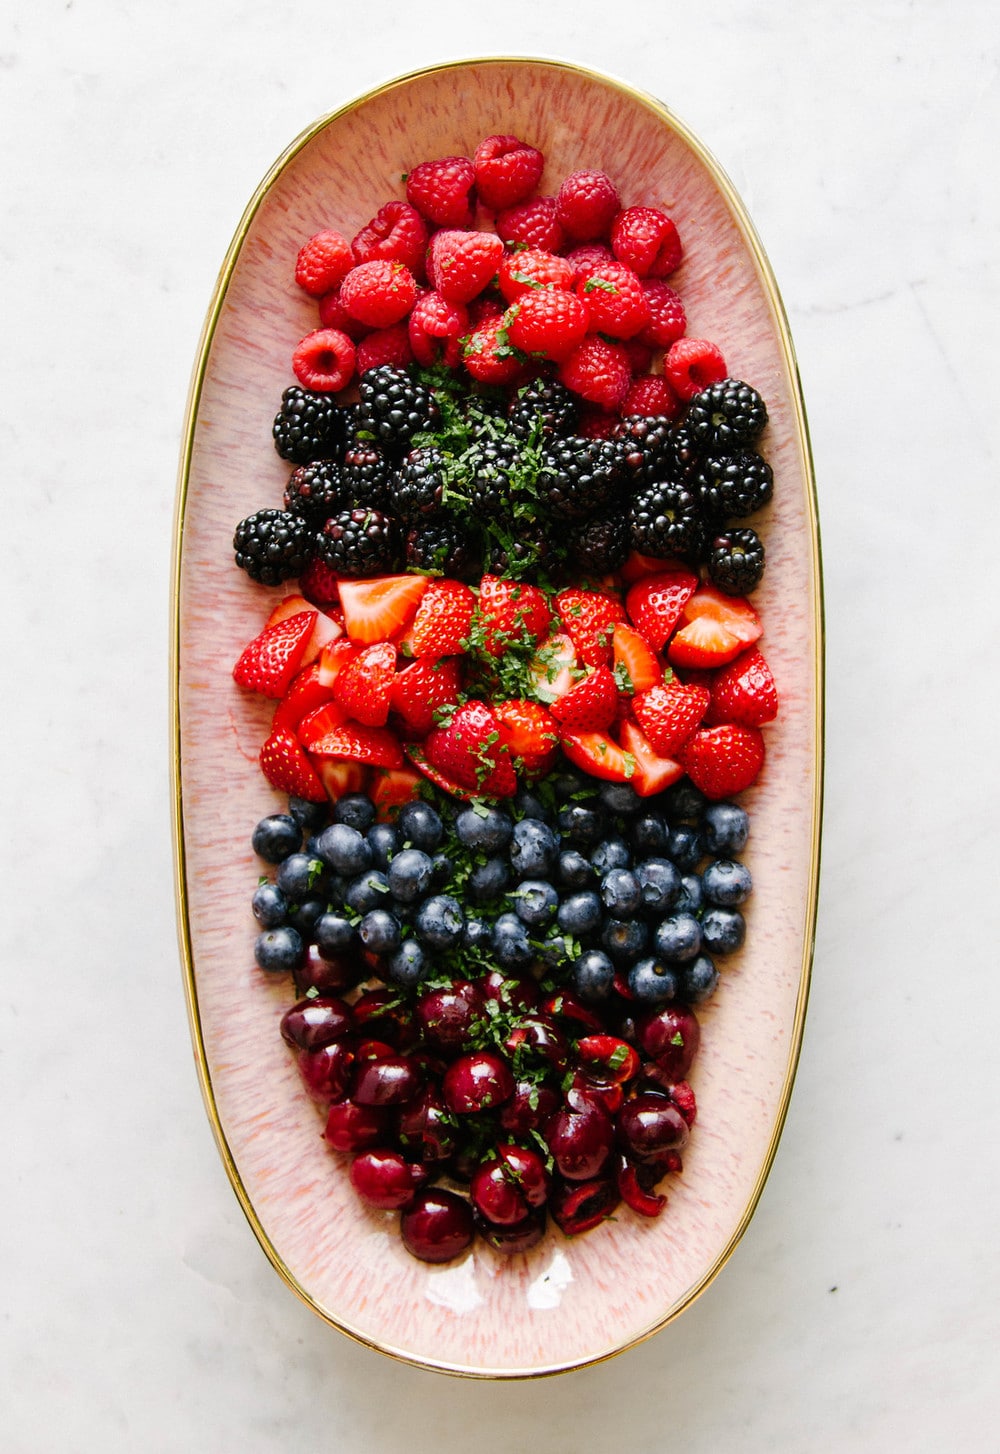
568,1302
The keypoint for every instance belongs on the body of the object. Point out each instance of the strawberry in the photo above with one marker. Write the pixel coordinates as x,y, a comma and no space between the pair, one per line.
532,734
269,663
390,788
328,625
421,689
433,774
636,666
637,566
339,776
511,613
472,751
307,692
668,714
364,686
744,692
724,760
460,264
376,609
653,773
714,628
287,768
374,746
444,616
654,604
589,619
551,668
591,705
317,724
598,755
333,658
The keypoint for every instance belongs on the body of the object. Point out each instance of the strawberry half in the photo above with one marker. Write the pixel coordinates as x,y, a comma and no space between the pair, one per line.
654,604
532,734
744,692
472,751
591,705
444,617
440,779
653,773
714,629
390,788
669,714
287,768
511,613
377,609
373,746
637,667
307,692
589,619
724,760
421,689
598,755
269,663
327,626
364,686
551,668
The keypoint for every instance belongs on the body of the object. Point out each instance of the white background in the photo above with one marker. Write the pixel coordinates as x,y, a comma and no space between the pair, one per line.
860,1310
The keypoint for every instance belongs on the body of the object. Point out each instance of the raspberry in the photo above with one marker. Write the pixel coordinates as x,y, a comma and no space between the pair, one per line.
667,319
333,314
488,355
322,263
534,224
483,310
461,264
441,191
587,257
586,204
397,233
651,395
379,293
640,355
507,171
550,322
692,364
436,328
598,371
647,240
596,424
385,346
531,268
616,300
324,361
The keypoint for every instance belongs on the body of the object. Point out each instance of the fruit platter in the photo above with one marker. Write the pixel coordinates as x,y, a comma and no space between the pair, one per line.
497,684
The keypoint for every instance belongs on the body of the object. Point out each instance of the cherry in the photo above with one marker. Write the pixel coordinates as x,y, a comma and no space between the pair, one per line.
383,1179
563,1006
475,1082
506,1189
438,1225
426,1127
516,995
581,1140
539,1037
580,1207
350,1127
329,976
447,1016
671,1036
520,1237
634,1194
680,1092
582,1089
649,1125
387,1082
606,1058
327,1069
529,1107
379,1012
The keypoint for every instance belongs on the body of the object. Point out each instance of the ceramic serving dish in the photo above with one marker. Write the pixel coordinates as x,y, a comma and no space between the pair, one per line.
566,1303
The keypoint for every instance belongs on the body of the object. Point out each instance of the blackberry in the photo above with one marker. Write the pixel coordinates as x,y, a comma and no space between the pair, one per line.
726,415
732,486
443,547
666,521
736,562
316,490
647,446
581,477
359,542
367,472
546,403
308,426
393,407
687,455
272,545
489,486
416,490
602,543
520,554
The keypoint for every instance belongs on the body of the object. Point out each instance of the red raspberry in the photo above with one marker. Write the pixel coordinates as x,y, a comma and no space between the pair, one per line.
534,224
489,357
436,330
650,394
667,319
549,321
647,240
385,346
461,264
324,360
322,262
532,268
507,171
397,233
333,314
617,303
596,424
379,293
484,309
692,364
640,355
586,204
441,191
598,371
588,256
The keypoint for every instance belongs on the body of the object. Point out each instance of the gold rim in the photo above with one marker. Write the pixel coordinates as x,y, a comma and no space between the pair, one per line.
756,250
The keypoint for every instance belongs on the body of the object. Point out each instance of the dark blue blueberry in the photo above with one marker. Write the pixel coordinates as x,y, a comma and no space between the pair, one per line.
379,931
535,902
648,833
574,871
511,946
571,784
476,934
725,828
442,869
678,938
683,801
279,950
370,890
304,916
334,935
488,881
276,836
408,965
620,798
439,921
581,822
725,882
420,825
269,905
300,877
310,815
723,930
611,853
593,976
526,804
620,892
691,897
553,951
410,875
579,914
534,849
698,980
652,981
660,884
685,847
356,810
624,939
488,829
384,841
345,849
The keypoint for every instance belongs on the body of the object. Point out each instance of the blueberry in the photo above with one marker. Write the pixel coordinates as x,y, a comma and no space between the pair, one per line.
581,822
574,871
683,801
442,869
725,882
725,828
554,951
384,841
660,884
511,946
279,950
356,810
488,881
649,834
571,784
533,849
408,965
698,980
620,892
439,921
579,914
300,876
410,874
678,938
685,847
691,896
652,981
304,916
535,902
344,849
593,976
269,905
620,798
526,804
611,853
488,829
420,825
624,939
476,934
310,815
276,836
334,935
379,931
723,931
370,890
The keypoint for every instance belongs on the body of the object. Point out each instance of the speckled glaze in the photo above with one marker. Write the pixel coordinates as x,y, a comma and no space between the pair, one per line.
566,1303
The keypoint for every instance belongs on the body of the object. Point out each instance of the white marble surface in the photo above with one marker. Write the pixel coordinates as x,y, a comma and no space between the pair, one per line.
860,1310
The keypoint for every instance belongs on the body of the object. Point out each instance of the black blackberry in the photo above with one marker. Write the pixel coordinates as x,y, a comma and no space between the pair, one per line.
308,426
520,549
647,447
732,486
489,486
600,544
666,521
393,407
546,403
581,477
444,547
367,472
736,562
316,490
687,456
273,545
725,416
359,542
417,487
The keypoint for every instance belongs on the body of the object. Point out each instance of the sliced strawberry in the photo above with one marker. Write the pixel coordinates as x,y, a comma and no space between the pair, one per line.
744,692
440,779
655,603
551,668
532,734
315,726
589,619
653,773
472,751
380,608
374,746
292,605
334,657
511,613
422,689
339,776
598,755
364,686
668,714
269,663
724,760
637,667
287,768
444,616
714,629
638,566
390,788
307,692
591,705
318,583
327,626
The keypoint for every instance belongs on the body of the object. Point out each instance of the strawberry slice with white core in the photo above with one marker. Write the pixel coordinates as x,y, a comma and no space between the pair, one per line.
373,746
338,776
269,663
714,628
333,658
550,670
654,604
637,667
326,627
653,772
599,756
380,608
